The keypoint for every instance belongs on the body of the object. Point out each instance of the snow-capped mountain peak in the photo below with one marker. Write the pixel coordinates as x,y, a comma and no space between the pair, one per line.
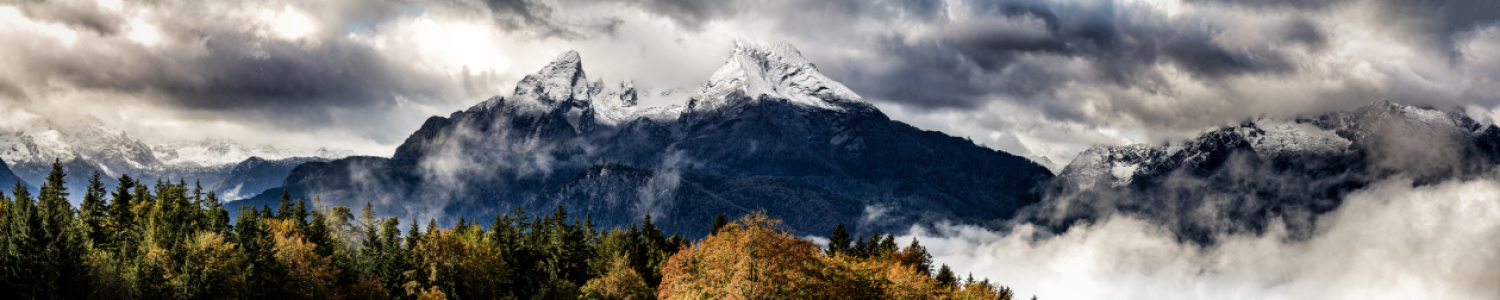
562,80
39,141
776,70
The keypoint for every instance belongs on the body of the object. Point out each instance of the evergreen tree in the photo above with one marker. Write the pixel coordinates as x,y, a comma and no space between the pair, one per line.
720,222
16,260
946,277
121,224
838,241
284,210
218,217
887,246
412,235
92,211
60,243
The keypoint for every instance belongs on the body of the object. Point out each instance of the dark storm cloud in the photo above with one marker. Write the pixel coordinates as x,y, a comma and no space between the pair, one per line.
1124,44
215,72
1435,21
216,63
528,14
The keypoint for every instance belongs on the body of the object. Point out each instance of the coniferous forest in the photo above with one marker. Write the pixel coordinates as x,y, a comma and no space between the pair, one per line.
167,240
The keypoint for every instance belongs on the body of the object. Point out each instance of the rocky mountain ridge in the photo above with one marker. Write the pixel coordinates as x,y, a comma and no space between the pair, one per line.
85,144
766,132
1247,177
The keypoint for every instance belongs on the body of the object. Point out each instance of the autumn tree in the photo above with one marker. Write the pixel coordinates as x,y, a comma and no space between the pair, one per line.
618,282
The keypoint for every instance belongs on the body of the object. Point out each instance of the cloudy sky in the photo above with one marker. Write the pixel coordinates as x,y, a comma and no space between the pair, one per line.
1034,77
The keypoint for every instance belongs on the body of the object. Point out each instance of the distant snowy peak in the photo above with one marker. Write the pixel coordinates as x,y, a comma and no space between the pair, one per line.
1115,165
40,140
1329,135
775,70
215,152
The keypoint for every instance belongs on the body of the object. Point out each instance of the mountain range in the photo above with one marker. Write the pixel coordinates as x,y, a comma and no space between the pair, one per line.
1264,172
767,132
84,145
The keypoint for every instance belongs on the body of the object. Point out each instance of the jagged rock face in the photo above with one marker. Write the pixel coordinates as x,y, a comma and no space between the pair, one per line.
1245,178
767,132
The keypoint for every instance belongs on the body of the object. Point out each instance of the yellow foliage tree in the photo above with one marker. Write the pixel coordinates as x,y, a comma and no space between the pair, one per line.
216,267
619,282
309,276
467,259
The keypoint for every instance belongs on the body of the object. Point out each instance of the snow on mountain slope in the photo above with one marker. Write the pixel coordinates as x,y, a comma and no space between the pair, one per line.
39,141
766,132
617,105
1247,177
776,70
30,143
214,152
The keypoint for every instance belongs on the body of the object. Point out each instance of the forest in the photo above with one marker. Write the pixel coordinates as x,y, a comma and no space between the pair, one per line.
169,241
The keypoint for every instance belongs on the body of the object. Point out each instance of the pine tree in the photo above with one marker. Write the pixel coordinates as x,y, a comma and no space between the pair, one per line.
62,249
121,226
93,212
412,235
720,222
284,210
887,246
838,241
218,217
946,277
16,260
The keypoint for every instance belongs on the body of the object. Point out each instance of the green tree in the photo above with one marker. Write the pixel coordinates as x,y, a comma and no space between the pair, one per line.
59,243
93,212
720,221
838,241
945,276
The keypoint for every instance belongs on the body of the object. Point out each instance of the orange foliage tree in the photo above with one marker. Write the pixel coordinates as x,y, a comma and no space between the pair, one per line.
752,258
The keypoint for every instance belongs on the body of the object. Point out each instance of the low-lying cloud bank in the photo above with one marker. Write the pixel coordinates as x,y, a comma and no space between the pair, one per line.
1388,241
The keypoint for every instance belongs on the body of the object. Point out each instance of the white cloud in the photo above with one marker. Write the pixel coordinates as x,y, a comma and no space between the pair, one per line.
143,32
12,18
1389,241
288,23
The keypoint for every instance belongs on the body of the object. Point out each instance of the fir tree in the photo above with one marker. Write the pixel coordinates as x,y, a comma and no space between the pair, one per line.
92,211
946,277
838,241
720,222
284,210
61,246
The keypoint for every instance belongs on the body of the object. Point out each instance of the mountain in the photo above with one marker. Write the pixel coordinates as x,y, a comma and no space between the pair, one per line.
84,145
255,174
1248,177
216,152
7,176
766,132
